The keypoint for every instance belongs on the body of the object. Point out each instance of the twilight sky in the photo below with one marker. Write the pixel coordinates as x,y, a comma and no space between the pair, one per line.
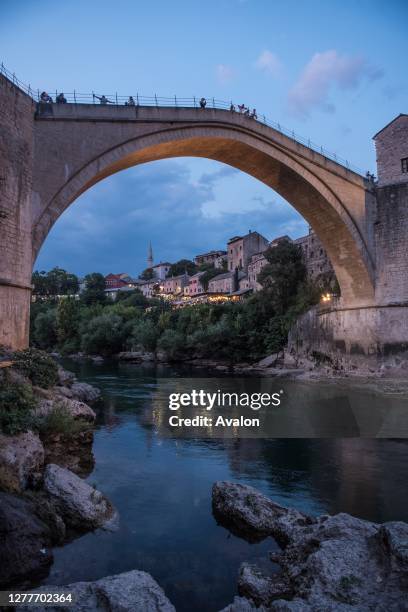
334,71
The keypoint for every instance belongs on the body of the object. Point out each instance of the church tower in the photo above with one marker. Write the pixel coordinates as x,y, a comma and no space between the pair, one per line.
150,256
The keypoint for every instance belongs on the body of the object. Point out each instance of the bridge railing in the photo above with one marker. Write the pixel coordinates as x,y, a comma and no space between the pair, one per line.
115,99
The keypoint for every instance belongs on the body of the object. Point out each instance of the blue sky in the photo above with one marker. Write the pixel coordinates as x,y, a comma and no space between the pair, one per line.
334,71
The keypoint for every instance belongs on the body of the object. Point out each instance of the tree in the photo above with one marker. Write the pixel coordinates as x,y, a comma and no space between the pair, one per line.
104,335
44,330
54,283
283,274
67,320
147,274
182,266
94,292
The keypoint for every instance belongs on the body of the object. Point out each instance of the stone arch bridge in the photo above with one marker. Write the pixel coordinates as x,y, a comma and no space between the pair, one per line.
48,158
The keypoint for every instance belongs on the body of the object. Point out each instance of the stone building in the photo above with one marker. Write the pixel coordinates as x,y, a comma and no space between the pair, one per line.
149,287
241,249
391,146
228,282
257,262
161,270
194,286
317,262
174,285
212,257
116,281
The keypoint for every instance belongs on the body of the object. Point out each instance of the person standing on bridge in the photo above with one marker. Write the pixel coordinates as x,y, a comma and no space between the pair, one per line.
61,99
203,103
103,99
45,98
130,102
232,108
253,114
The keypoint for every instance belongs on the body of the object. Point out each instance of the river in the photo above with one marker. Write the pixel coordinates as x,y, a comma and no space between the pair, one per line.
161,487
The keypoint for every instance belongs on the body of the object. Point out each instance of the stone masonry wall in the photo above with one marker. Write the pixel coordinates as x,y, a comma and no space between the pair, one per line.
16,161
391,146
391,244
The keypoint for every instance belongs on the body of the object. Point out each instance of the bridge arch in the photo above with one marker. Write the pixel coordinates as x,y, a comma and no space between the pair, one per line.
331,202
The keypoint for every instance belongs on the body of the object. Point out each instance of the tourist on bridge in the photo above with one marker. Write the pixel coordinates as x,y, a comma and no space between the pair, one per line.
242,108
232,108
45,98
203,103
61,99
103,99
130,102
253,114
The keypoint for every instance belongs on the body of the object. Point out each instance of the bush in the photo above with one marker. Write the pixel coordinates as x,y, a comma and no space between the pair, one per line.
145,333
36,365
104,336
45,329
60,421
16,405
172,343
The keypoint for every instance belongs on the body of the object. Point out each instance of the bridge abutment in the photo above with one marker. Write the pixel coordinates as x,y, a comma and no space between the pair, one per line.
16,167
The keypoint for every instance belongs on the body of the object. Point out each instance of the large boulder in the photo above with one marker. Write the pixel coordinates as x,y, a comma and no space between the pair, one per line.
132,591
65,378
21,461
84,392
327,563
24,541
81,506
252,515
74,407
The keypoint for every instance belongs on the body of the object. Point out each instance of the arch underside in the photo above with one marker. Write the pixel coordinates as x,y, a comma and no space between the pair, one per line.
294,180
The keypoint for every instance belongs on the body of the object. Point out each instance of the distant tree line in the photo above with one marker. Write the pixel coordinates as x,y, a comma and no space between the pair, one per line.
238,331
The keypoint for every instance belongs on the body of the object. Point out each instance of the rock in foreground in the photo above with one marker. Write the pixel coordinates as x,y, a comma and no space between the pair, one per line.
21,461
82,507
328,563
128,592
24,541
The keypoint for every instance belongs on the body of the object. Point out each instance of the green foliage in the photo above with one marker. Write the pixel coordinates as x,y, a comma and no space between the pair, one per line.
54,283
282,274
244,331
36,365
44,331
182,266
145,334
104,335
133,298
147,274
94,292
16,405
208,275
60,421
173,343
67,321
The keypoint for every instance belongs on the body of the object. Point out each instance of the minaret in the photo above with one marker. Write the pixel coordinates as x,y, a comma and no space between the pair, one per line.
150,256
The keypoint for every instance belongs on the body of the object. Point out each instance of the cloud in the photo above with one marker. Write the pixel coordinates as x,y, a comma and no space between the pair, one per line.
224,73
324,70
269,62
109,227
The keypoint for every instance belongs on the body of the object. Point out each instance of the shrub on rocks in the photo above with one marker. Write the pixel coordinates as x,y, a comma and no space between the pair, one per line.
16,405
36,365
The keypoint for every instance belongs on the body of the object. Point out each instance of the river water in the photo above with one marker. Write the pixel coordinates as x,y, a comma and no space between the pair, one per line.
161,487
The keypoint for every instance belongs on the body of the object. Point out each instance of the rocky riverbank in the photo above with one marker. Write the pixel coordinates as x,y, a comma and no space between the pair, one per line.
42,503
326,563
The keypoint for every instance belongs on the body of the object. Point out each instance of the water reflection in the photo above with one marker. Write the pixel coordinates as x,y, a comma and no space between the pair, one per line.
161,487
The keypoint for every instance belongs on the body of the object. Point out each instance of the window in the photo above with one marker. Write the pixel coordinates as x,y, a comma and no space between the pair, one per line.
404,164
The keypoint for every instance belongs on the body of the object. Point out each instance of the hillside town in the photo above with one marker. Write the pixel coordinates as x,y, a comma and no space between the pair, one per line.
234,271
